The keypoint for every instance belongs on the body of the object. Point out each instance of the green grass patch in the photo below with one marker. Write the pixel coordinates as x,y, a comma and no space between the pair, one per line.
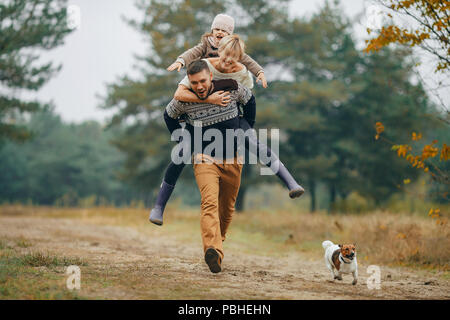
23,243
39,259
22,275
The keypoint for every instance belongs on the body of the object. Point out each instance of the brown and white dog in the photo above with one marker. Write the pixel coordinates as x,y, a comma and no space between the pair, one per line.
341,259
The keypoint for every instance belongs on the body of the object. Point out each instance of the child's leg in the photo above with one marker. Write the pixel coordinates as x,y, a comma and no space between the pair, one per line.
173,171
277,167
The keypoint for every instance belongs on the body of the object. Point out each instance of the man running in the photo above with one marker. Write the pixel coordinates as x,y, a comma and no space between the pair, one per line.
218,174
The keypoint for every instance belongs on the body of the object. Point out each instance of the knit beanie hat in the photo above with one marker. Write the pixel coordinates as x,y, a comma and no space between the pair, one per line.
224,22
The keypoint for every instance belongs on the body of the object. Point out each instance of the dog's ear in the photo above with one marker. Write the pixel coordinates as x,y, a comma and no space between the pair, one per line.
340,245
354,243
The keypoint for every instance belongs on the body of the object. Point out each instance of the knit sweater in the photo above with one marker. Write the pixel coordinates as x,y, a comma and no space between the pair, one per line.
205,49
206,114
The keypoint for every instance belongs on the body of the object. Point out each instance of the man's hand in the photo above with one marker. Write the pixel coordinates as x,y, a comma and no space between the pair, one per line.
261,78
176,65
221,98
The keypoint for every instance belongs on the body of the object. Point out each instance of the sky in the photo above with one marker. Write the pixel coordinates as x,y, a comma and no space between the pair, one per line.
102,47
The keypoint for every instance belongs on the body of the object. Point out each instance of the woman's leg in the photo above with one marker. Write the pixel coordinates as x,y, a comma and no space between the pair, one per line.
277,167
173,171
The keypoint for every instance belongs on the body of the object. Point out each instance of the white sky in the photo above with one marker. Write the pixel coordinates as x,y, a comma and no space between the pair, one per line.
102,49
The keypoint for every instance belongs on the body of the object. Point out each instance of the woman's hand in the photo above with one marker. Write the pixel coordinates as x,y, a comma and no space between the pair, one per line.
176,65
261,78
220,98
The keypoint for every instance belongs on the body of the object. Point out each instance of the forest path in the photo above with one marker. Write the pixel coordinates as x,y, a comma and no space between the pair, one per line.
124,263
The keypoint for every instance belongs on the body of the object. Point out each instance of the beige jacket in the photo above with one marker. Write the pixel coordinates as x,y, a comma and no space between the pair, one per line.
205,50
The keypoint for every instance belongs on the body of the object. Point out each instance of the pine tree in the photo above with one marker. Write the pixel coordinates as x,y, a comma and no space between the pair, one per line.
26,26
320,56
386,95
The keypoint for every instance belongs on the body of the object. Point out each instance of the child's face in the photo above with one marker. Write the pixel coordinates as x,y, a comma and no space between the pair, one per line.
219,34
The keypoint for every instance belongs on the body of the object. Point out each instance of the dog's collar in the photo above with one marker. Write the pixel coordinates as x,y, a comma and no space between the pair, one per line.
342,259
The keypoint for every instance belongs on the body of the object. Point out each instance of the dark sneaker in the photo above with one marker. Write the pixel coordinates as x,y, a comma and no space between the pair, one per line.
212,259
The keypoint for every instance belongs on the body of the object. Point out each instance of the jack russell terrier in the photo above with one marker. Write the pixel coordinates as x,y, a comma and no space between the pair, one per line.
341,259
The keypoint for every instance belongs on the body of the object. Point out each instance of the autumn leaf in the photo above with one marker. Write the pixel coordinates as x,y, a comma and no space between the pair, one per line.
431,31
402,149
379,127
445,151
429,151
401,235
416,136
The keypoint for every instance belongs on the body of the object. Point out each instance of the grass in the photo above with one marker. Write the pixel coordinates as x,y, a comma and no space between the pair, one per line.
39,259
33,275
381,237
23,243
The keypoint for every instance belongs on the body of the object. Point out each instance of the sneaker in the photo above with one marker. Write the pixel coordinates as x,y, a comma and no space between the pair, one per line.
212,259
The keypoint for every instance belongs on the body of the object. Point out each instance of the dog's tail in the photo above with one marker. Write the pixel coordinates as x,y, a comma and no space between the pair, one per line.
326,244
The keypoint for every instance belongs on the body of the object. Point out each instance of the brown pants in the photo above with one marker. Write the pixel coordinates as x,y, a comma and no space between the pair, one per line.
219,186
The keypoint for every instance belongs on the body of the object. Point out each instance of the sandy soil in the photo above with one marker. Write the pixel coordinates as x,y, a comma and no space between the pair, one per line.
126,264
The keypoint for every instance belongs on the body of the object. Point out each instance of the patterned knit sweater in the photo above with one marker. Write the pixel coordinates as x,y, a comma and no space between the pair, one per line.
206,114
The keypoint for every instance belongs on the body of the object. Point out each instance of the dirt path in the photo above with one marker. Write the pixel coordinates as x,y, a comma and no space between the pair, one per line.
126,264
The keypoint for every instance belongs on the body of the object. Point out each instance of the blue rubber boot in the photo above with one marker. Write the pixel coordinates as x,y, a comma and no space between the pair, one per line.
277,167
295,190
156,215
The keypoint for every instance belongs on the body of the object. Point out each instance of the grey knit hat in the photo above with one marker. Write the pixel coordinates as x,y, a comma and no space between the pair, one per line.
224,22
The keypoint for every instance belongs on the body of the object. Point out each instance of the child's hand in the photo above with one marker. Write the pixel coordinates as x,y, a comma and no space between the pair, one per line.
261,78
220,98
176,65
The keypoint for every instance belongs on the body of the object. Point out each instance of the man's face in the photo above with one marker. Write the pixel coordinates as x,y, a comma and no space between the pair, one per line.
201,83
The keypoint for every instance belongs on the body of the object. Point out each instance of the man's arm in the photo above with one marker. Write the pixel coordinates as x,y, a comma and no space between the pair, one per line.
218,97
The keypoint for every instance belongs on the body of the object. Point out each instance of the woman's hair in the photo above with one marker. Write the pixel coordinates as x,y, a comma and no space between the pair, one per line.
232,45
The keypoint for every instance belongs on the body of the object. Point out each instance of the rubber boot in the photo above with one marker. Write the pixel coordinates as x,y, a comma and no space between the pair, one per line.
156,215
295,190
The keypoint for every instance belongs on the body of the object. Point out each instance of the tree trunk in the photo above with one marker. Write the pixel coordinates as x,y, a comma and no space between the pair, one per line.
240,200
312,192
332,198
